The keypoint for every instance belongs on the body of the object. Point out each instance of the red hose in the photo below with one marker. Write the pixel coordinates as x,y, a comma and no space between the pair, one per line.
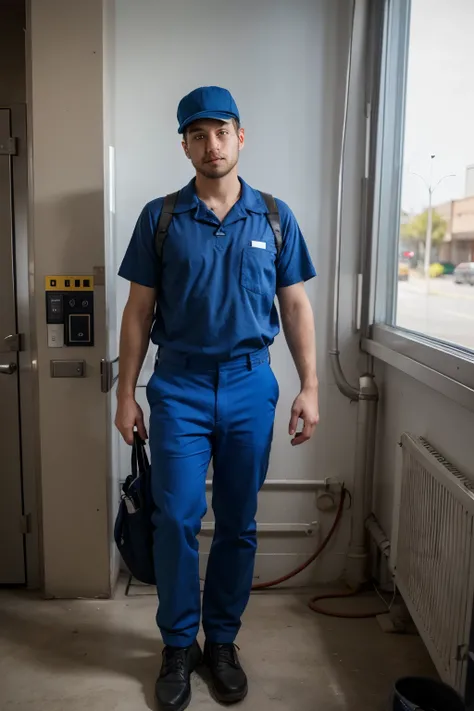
303,566
335,596
346,615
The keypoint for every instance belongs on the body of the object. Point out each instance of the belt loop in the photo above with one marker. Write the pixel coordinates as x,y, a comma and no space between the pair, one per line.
249,361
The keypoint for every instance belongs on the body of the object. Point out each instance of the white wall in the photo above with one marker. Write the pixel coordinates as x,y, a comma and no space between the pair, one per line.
285,63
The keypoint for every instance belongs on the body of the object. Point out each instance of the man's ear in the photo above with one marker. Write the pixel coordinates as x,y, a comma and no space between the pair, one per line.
241,136
185,149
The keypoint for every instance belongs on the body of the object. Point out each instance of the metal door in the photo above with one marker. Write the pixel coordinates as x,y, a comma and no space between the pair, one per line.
12,556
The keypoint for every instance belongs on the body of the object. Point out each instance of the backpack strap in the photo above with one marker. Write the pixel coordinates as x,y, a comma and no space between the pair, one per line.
164,222
166,215
273,217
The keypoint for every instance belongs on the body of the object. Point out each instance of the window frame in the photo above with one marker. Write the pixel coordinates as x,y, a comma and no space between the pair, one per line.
442,366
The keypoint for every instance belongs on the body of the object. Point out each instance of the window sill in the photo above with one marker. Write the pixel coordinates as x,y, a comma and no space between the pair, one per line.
440,366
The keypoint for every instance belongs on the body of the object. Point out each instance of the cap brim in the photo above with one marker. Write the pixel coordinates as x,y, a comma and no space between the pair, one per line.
217,115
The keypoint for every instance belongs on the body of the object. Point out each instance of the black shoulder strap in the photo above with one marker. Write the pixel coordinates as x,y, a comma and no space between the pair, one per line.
273,217
164,222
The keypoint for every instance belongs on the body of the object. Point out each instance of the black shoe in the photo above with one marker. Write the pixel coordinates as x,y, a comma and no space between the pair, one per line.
228,677
173,687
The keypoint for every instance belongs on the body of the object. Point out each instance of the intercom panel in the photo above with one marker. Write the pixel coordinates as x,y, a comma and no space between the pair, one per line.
70,310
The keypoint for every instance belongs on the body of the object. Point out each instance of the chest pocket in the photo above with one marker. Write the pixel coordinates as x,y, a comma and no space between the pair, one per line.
258,271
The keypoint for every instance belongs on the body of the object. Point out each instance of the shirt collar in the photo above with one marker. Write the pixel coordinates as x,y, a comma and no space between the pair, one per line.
250,199
187,200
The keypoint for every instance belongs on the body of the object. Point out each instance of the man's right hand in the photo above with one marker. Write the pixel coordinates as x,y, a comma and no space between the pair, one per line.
130,415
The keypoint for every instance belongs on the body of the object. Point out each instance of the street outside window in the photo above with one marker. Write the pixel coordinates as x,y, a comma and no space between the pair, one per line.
435,288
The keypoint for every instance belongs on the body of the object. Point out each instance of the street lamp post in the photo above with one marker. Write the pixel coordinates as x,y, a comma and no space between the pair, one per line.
429,227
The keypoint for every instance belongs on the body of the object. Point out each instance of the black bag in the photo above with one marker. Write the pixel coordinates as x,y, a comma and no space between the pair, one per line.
133,531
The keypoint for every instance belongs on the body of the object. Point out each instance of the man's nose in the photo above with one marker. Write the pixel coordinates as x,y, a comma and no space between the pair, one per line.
212,144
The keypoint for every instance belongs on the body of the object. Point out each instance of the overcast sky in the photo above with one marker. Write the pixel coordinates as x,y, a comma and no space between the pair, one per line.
440,99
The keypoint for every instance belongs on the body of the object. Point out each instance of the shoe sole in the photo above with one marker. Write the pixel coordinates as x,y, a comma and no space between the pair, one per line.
229,699
183,706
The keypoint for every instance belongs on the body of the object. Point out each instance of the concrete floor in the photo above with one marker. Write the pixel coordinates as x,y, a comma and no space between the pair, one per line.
104,655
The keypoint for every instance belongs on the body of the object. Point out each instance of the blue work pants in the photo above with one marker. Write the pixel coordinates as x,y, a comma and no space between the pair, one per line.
203,410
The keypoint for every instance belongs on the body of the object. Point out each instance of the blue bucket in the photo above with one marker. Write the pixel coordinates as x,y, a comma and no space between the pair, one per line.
420,694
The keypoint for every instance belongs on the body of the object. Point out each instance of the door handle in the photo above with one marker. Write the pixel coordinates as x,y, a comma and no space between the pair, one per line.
8,369
108,374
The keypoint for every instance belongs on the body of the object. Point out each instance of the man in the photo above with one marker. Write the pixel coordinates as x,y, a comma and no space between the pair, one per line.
207,296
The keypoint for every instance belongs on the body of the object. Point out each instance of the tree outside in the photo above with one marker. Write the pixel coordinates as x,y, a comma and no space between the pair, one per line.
413,232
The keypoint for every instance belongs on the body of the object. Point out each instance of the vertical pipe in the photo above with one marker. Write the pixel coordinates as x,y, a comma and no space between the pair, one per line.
370,389
357,557
342,383
366,393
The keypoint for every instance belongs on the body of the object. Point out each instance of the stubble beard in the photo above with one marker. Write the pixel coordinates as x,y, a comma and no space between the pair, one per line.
216,172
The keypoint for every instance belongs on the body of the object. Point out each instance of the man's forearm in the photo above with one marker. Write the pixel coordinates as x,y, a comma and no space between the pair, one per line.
134,340
298,326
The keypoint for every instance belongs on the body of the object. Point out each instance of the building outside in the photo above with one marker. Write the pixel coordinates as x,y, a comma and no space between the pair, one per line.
458,244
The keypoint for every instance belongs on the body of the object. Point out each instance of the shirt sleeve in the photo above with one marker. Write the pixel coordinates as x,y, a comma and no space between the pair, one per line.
140,263
294,263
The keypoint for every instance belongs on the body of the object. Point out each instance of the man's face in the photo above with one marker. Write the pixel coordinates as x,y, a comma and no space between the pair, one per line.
213,147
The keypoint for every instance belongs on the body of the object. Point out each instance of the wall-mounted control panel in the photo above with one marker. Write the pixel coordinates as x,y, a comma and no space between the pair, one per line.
70,310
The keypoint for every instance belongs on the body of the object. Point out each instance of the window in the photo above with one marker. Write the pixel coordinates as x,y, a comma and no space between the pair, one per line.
433,292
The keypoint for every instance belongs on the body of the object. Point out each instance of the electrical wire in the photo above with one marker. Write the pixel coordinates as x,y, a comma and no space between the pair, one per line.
388,605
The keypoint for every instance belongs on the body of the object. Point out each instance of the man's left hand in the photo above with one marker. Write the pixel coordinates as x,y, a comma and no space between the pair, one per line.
306,408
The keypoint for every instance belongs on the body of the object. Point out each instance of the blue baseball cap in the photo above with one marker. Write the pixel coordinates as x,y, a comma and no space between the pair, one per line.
207,102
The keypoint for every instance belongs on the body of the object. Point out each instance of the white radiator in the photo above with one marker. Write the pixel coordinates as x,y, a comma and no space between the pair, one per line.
434,569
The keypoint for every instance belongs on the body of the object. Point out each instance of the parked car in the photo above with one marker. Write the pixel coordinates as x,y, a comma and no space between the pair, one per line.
464,273
448,267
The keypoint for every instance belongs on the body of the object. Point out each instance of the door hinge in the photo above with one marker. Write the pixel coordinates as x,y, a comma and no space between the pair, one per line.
14,342
9,147
25,524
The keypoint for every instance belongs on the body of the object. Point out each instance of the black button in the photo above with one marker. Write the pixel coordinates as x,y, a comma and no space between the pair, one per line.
72,303
85,304
53,282
79,328
87,282
77,283
67,283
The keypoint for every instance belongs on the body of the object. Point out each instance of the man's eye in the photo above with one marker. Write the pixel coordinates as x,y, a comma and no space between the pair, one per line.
223,133
198,137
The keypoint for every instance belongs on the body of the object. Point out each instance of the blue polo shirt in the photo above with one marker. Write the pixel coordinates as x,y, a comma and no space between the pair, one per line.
217,282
